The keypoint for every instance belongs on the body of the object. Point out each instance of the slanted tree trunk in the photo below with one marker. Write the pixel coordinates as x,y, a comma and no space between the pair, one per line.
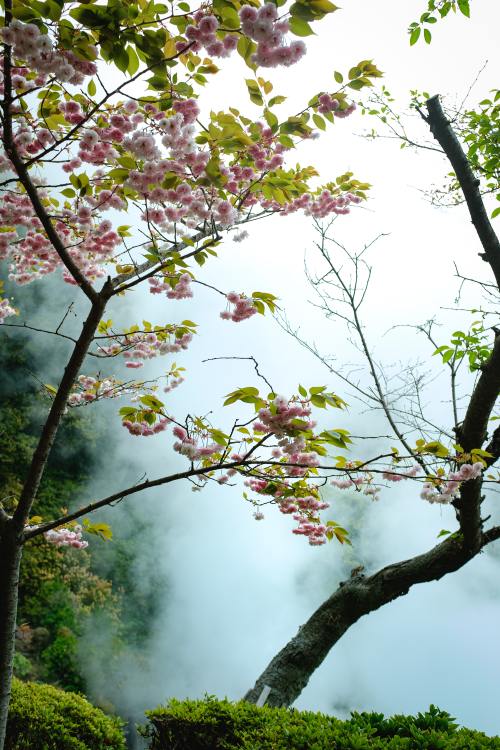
289,671
10,559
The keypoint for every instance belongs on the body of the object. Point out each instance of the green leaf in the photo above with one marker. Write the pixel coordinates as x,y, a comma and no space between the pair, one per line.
120,57
254,92
246,48
91,88
318,401
219,437
230,18
285,140
323,6
427,36
435,448
99,529
271,119
127,412
119,175
299,27
443,532
133,61
213,172
151,401
317,389
415,35
276,100
319,122
356,85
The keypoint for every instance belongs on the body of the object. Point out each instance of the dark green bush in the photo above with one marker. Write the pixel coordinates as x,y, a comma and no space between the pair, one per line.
220,725
42,717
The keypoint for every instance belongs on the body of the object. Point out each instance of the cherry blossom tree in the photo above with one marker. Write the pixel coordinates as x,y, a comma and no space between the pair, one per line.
77,152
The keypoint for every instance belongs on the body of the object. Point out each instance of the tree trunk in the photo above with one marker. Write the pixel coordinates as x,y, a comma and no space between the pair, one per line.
289,671
10,559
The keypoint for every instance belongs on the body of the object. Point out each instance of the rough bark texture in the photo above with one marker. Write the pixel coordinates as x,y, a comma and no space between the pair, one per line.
289,671
10,559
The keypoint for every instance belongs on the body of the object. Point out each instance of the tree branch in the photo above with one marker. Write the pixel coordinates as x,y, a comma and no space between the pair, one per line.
117,496
443,133
472,434
119,282
56,412
289,671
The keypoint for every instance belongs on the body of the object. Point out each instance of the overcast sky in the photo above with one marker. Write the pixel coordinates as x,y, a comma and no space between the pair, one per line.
238,589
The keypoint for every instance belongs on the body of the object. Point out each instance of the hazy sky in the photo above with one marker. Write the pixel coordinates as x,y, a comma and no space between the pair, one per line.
238,589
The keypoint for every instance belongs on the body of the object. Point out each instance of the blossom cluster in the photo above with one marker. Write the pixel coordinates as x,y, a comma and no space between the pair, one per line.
317,206
183,289
143,345
33,256
39,53
363,480
88,389
90,239
304,510
6,310
263,26
315,532
173,383
400,475
449,488
279,419
66,537
328,103
189,447
243,308
202,34
145,428
292,451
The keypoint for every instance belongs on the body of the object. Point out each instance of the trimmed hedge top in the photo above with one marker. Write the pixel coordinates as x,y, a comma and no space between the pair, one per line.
42,717
212,724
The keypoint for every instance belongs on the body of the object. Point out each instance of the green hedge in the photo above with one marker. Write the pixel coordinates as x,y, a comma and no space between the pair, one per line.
42,717
212,724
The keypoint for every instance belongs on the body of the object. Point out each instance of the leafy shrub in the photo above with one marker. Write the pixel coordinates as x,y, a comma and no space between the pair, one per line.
220,725
22,666
61,661
42,717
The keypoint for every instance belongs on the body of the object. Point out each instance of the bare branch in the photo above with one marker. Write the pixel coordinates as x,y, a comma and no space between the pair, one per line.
251,359
58,406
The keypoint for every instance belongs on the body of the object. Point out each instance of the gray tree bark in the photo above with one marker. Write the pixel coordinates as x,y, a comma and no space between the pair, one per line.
10,559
